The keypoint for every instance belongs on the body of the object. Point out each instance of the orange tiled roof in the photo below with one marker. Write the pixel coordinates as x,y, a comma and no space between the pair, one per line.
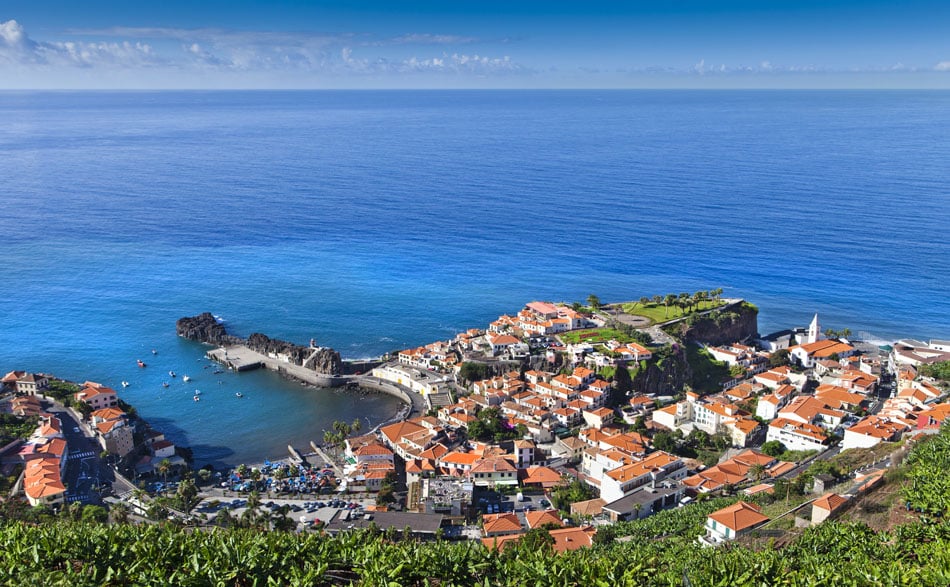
537,519
830,502
739,517
567,539
492,523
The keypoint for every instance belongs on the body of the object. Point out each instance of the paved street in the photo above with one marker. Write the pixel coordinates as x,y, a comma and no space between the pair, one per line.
85,472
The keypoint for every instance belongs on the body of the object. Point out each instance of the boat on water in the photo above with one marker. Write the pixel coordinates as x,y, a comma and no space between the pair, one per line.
154,352
185,378
125,384
164,384
171,374
239,394
197,398
140,363
197,392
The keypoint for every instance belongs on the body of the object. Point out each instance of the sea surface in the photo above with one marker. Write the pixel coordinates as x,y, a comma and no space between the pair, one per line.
373,221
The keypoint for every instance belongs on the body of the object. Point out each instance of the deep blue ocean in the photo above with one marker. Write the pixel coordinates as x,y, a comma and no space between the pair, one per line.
379,220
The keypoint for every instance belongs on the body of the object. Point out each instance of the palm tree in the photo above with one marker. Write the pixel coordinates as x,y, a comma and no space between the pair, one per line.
119,512
698,298
657,300
593,301
356,425
668,301
684,300
757,471
163,469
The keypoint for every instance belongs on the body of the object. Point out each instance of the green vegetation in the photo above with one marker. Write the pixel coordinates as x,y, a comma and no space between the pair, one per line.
490,426
13,427
62,391
573,491
340,432
939,370
832,333
779,358
593,301
708,373
662,312
927,489
473,372
773,448
602,335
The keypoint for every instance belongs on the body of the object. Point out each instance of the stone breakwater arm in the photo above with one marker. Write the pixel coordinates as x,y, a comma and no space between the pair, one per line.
205,328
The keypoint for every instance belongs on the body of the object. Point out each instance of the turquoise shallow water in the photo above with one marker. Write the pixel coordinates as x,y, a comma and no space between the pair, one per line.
378,220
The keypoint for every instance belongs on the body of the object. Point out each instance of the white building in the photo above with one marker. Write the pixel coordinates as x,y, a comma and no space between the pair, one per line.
796,435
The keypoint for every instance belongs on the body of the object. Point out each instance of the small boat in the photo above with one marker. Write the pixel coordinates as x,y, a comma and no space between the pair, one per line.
154,352
140,363
185,378
125,384
164,384
197,398
197,392
171,374
239,394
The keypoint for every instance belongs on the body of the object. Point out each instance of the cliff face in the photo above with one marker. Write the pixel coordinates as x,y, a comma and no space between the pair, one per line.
737,323
325,360
204,328
666,376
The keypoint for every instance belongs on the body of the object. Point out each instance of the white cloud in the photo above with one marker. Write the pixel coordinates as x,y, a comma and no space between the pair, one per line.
942,66
429,39
16,47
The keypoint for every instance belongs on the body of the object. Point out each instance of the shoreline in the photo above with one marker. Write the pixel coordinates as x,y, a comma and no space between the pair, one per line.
239,357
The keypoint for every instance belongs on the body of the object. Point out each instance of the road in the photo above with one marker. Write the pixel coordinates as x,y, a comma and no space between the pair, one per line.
85,472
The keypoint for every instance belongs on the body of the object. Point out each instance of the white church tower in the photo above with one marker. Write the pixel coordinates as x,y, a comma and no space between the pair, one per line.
814,330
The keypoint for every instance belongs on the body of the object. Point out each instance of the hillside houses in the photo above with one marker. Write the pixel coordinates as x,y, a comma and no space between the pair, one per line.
743,467
44,456
873,430
711,414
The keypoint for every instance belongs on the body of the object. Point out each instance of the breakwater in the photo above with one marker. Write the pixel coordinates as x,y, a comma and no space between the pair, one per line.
312,365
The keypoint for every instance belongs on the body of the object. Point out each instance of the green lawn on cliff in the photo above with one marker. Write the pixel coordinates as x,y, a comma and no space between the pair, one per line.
660,313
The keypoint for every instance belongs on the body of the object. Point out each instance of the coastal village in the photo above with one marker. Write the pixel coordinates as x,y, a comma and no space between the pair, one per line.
561,419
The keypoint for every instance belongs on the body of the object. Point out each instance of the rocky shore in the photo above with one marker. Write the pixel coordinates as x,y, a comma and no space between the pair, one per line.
205,328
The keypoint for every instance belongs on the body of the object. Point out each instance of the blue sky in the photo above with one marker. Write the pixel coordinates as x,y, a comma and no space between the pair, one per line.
106,44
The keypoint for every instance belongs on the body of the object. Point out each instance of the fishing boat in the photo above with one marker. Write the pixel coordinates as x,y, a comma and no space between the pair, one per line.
239,394
125,384
140,363
197,398
164,384
171,374
197,392
185,378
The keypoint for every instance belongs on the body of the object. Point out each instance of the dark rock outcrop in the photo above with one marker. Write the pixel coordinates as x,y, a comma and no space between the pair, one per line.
325,360
733,324
667,376
204,328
